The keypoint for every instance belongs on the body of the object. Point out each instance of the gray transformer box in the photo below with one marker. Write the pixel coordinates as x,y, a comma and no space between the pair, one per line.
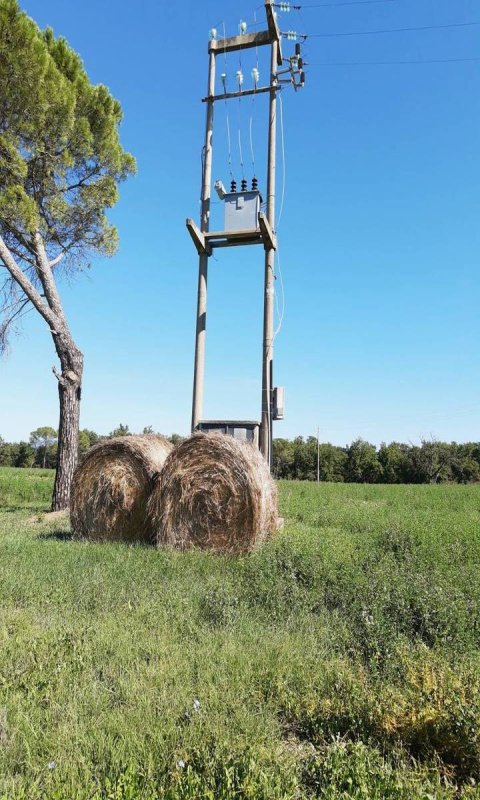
241,210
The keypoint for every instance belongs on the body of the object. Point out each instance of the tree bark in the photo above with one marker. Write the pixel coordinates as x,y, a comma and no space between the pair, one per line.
71,361
69,391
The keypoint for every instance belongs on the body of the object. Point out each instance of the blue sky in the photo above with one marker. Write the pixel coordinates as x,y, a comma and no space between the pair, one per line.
379,235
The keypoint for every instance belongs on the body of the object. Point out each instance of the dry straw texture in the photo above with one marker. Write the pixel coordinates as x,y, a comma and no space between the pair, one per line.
111,487
214,493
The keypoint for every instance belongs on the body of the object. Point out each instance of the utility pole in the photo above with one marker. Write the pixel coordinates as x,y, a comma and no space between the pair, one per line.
201,327
266,432
246,228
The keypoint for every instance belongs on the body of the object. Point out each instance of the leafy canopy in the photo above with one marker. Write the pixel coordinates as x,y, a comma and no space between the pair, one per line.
60,154
44,436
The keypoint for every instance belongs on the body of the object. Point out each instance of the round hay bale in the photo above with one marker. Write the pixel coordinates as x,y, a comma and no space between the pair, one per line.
111,486
214,493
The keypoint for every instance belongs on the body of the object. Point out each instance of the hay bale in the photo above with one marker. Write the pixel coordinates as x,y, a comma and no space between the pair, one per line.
214,493
111,486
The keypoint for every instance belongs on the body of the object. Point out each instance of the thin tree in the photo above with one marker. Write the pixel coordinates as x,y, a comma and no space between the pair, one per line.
60,163
43,437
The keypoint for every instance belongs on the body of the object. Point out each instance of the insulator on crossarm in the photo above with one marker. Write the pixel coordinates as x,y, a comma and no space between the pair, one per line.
233,186
255,76
223,78
213,33
244,185
242,28
254,184
239,78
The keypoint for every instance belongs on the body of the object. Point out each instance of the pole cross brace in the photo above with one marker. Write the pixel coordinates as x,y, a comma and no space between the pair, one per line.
203,248
268,236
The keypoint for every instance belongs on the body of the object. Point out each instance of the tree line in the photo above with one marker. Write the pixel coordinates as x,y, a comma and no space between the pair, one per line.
296,459
362,462
41,450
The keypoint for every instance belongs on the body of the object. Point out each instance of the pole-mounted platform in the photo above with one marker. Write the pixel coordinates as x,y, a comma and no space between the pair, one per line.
205,242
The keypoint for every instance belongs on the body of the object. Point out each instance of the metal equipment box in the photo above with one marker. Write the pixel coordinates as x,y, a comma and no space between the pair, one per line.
241,210
278,403
242,430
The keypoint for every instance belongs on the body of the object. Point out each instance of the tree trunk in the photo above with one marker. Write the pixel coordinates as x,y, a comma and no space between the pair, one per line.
69,390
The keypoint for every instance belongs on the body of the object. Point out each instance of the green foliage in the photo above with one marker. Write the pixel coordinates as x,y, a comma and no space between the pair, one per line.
432,462
122,430
86,440
60,155
394,462
345,770
362,465
339,661
45,436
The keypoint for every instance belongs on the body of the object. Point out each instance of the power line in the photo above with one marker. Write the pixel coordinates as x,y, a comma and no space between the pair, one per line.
348,3
387,63
387,30
291,7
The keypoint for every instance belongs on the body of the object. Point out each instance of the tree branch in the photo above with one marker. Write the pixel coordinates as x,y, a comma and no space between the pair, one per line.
96,171
59,377
26,285
46,277
56,260
17,310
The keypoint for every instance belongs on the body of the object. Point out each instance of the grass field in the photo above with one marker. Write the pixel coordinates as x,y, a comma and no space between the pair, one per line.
341,661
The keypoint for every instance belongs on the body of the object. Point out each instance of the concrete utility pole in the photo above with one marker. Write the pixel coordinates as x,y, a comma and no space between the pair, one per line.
269,286
259,229
201,328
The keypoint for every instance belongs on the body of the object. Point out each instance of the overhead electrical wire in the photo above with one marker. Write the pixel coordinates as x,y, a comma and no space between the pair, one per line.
252,150
282,139
391,63
240,82
281,314
227,119
345,3
387,30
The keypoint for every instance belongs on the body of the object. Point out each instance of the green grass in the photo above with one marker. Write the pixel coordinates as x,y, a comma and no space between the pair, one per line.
25,488
340,661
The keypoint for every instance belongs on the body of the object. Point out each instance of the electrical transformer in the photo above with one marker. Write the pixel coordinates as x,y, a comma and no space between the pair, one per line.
241,210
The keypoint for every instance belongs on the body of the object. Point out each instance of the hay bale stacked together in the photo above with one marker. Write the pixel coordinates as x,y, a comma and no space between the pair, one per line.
111,487
210,492
214,493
